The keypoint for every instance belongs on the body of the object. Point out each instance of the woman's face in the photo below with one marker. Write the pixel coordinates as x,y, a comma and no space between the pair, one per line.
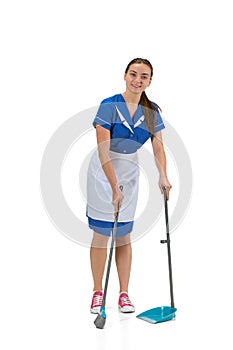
138,78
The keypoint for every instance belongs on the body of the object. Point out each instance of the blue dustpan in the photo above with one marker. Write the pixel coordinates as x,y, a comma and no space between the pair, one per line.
158,314
163,313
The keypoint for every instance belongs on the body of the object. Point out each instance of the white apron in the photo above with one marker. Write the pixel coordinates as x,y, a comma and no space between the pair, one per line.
99,192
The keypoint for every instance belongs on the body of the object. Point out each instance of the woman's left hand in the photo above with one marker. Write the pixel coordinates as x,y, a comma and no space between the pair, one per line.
163,182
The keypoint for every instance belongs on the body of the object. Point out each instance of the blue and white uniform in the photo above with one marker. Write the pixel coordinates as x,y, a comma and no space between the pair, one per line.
127,136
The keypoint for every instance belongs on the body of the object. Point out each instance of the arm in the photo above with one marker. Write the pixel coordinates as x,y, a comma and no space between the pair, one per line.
103,141
160,161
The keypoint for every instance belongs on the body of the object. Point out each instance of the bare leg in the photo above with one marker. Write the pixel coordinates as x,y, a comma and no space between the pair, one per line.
123,257
98,255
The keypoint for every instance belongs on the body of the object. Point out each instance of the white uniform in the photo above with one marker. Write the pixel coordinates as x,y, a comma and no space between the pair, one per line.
99,191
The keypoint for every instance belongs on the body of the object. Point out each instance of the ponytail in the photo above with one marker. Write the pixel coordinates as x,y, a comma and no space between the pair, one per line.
150,113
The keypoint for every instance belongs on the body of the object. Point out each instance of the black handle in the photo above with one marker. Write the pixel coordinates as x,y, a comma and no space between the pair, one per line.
168,246
114,230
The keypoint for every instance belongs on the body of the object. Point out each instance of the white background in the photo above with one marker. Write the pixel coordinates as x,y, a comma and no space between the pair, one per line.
59,58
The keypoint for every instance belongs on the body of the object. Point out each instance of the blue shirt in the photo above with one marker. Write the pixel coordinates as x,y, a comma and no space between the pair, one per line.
127,135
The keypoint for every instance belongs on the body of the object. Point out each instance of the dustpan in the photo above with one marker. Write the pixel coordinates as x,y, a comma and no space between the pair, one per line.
158,314
163,313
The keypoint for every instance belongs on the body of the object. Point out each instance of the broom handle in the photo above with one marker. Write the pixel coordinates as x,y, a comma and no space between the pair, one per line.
110,255
109,260
168,248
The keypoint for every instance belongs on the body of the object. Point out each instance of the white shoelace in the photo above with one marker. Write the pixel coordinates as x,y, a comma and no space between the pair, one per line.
126,300
97,300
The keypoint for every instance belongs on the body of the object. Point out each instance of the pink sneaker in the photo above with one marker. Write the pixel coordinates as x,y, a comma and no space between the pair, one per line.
97,300
124,303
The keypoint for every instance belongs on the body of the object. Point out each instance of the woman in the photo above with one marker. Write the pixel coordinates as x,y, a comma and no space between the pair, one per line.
124,122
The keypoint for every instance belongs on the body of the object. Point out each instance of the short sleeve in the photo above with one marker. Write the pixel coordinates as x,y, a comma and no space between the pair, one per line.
159,121
105,114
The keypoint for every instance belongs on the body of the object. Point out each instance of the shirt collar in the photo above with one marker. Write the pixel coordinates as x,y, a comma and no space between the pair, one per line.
138,117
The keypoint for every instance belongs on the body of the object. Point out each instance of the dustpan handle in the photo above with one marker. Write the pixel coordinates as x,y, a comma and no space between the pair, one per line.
168,247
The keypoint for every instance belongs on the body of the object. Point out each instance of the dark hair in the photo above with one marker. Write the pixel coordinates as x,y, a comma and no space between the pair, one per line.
148,108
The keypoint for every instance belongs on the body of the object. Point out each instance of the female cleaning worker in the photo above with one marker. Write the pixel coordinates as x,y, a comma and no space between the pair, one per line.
124,122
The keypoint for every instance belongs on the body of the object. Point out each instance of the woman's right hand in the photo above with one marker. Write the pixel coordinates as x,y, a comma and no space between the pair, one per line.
117,199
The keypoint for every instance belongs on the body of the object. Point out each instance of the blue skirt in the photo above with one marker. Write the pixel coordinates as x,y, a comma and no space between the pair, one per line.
106,227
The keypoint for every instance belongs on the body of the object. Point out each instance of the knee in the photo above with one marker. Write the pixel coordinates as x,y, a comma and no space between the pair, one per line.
124,240
99,241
